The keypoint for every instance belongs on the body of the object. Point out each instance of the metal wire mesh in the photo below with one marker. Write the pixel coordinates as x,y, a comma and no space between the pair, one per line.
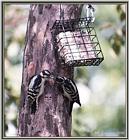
76,42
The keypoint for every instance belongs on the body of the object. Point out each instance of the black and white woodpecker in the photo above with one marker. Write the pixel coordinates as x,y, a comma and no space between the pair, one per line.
36,86
90,13
70,90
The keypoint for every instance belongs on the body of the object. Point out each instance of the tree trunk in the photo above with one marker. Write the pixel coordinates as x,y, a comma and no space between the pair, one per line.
52,117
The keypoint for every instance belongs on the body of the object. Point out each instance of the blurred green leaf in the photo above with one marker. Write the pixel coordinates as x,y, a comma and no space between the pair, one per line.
118,7
122,16
116,43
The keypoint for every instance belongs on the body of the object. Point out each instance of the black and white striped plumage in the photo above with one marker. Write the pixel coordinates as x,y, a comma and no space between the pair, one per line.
90,13
36,87
70,90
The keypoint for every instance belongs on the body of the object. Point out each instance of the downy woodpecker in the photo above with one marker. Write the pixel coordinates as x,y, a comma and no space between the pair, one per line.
36,87
90,13
70,90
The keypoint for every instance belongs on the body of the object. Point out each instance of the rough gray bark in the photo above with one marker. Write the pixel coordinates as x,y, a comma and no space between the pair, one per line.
51,118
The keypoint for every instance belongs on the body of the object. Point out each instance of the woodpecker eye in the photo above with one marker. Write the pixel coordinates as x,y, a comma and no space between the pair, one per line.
46,73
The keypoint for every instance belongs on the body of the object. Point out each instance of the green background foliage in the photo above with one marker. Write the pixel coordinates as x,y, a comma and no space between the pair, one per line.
102,89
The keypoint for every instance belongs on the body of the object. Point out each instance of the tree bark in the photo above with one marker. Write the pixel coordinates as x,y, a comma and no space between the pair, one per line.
52,117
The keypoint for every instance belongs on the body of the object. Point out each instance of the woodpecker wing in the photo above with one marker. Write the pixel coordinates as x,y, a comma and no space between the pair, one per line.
35,82
70,86
33,89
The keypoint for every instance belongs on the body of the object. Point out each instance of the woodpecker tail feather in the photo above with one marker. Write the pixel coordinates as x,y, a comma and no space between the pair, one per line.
31,105
33,108
70,108
78,101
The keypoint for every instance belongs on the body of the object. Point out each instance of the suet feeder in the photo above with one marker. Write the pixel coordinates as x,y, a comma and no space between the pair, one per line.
76,42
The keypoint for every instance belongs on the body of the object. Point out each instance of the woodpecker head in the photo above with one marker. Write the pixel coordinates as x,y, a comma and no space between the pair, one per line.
59,79
91,7
46,74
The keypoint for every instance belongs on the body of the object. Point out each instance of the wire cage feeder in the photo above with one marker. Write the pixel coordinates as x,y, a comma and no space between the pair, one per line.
76,42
